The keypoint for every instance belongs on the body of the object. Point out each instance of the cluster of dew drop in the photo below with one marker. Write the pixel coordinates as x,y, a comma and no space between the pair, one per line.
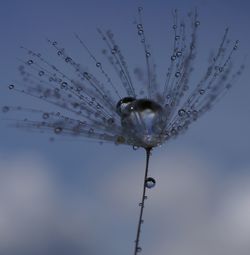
141,116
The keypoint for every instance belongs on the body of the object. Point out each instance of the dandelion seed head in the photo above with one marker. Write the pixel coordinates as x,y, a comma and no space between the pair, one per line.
146,114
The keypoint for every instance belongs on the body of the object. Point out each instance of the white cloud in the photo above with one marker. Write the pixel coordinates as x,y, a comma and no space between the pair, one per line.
33,220
191,211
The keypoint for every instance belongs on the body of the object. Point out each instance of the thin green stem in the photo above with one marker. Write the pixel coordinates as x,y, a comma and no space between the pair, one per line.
137,246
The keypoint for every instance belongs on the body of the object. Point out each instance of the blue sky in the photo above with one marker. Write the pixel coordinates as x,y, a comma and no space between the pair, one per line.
78,197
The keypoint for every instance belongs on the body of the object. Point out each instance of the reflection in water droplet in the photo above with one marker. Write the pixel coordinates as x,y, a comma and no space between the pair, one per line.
150,182
121,105
11,86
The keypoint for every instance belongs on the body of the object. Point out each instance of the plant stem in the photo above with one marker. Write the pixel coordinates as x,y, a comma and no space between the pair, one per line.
137,246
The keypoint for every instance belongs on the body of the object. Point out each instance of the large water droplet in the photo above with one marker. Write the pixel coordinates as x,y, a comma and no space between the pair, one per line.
143,120
150,182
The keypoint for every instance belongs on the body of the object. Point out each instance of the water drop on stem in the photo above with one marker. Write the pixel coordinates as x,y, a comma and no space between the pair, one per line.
137,246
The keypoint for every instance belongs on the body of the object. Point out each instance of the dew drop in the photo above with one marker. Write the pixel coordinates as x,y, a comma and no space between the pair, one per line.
140,32
123,103
138,249
86,75
173,132
64,85
58,130
68,59
178,53
177,37
41,73
98,64
135,148
148,54
45,116
150,182
201,91
139,26
173,58
11,86
30,62
177,74
181,112
197,23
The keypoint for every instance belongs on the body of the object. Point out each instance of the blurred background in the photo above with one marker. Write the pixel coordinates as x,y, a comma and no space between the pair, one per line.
76,197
